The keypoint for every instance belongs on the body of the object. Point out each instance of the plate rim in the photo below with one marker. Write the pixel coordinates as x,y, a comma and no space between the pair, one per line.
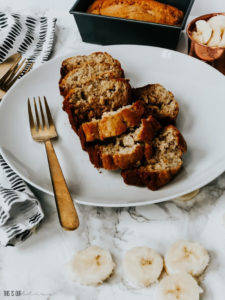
101,204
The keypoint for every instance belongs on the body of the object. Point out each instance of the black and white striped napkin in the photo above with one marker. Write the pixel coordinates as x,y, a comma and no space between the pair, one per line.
20,211
32,37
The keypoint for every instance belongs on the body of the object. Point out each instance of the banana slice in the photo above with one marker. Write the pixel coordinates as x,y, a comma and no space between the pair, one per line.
204,31
188,196
181,286
197,37
92,265
217,22
215,39
189,257
142,266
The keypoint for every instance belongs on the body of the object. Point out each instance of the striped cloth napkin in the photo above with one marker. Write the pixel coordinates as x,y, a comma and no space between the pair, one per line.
20,211
31,37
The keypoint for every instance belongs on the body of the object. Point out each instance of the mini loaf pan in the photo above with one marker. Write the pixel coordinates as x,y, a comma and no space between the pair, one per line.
104,30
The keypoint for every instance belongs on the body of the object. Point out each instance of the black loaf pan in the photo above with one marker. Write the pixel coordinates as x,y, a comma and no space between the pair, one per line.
106,30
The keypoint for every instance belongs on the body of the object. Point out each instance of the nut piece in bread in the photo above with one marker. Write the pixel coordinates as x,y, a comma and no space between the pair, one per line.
159,102
127,150
143,10
165,162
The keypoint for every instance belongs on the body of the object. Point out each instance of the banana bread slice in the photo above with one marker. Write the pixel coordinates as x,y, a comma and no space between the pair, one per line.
87,72
164,163
114,123
128,149
159,102
94,97
78,61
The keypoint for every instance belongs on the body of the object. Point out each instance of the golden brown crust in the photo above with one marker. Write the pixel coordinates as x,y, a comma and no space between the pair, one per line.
114,124
154,180
90,131
148,152
122,161
144,10
95,156
107,162
182,145
150,126
70,112
132,177
114,161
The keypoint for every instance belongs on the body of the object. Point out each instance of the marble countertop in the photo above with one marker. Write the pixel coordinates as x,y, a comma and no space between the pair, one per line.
36,269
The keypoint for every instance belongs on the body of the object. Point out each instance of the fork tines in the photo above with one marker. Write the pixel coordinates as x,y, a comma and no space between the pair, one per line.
46,124
17,69
16,57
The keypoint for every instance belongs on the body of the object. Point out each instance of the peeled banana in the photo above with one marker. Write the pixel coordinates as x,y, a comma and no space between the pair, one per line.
217,22
188,196
211,32
215,39
204,31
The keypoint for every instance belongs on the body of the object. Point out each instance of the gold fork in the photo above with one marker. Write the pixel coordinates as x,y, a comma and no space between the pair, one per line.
13,74
9,63
44,133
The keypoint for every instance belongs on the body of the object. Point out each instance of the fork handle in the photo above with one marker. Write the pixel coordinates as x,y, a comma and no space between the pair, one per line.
66,211
2,94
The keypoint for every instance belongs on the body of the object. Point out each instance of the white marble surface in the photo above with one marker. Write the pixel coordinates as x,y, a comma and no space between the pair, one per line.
37,267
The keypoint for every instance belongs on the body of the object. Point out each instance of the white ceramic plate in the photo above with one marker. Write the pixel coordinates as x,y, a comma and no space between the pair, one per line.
199,89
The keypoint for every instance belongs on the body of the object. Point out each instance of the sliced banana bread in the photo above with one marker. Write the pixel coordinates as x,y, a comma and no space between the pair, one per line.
114,123
126,150
155,100
78,61
87,72
160,102
166,160
94,97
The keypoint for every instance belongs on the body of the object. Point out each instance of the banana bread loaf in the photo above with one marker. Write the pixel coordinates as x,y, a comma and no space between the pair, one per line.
143,10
